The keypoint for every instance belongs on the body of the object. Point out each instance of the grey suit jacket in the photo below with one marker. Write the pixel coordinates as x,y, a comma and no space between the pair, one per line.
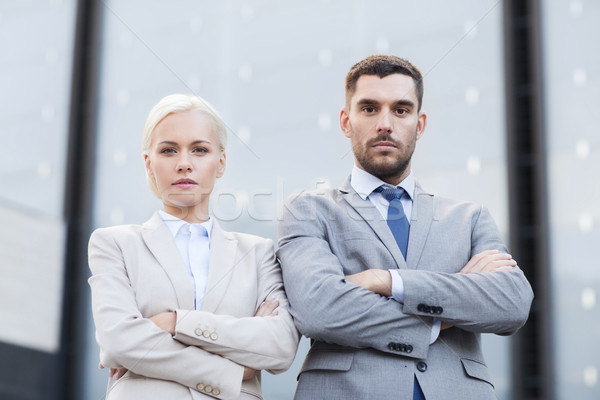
366,346
137,272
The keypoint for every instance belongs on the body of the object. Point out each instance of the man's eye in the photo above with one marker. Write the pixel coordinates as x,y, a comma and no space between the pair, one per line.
401,111
369,109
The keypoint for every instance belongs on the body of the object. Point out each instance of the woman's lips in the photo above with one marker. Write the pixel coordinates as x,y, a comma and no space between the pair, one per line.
184,183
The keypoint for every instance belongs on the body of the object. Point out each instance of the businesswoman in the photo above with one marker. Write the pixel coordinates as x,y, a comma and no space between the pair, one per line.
182,308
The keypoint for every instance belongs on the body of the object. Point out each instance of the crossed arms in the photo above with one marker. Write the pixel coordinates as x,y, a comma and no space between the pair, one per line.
330,260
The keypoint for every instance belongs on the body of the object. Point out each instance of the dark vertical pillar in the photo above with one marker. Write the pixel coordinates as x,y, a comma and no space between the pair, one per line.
532,364
78,192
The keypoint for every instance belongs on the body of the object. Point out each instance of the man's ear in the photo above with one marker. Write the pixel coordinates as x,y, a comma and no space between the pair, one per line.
345,122
421,125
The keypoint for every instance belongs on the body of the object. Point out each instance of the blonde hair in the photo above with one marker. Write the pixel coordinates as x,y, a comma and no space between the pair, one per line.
178,103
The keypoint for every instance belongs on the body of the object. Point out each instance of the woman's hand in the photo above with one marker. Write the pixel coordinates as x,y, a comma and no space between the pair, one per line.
114,373
267,309
165,321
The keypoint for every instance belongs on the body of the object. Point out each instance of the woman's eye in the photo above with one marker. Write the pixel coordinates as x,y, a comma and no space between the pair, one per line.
200,150
167,150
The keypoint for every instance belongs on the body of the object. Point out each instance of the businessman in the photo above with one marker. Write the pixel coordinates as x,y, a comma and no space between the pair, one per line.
393,284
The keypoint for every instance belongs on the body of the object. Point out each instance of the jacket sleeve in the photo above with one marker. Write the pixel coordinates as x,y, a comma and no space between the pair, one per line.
129,340
496,302
257,342
327,307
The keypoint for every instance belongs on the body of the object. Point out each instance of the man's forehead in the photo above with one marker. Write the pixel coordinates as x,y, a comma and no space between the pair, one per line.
391,87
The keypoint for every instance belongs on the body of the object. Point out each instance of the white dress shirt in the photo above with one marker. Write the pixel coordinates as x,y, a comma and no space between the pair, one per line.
364,183
193,243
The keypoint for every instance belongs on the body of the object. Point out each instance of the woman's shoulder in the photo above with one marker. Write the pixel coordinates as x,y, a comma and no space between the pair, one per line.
116,233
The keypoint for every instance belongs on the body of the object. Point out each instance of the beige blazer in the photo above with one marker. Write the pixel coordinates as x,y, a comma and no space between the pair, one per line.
137,272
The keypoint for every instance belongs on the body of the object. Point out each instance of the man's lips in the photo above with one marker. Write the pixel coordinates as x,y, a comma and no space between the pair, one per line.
384,145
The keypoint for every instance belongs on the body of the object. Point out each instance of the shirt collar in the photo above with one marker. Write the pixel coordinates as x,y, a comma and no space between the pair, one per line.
176,224
364,183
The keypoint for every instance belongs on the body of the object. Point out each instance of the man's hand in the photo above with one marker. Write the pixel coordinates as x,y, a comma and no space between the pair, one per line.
489,261
376,280
165,321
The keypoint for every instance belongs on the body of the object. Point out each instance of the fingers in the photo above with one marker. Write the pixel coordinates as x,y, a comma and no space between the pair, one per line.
489,261
117,373
268,308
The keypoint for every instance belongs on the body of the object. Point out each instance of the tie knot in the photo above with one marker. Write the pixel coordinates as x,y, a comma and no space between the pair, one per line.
198,229
391,192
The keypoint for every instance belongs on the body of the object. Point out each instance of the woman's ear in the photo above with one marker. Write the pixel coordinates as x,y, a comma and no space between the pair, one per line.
222,165
148,164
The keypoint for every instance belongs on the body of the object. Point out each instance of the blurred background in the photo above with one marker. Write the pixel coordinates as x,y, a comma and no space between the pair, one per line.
510,92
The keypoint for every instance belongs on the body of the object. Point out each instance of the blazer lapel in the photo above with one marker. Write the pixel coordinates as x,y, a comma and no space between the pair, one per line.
420,223
373,217
223,248
160,242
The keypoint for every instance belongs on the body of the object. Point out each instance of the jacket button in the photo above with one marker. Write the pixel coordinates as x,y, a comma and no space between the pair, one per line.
198,332
208,389
200,387
440,310
214,336
421,307
216,391
422,366
409,349
206,334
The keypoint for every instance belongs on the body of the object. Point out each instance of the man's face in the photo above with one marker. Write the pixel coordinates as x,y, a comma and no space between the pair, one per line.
383,124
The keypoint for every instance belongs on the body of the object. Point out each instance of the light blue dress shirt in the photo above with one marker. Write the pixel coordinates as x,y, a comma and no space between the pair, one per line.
193,243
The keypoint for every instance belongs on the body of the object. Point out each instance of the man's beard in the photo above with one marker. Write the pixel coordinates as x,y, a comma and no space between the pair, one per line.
383,169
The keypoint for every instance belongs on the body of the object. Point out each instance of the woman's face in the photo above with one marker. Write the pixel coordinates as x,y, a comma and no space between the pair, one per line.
185,160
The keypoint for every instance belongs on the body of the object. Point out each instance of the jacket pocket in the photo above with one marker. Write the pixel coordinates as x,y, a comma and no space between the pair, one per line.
477,370
327,360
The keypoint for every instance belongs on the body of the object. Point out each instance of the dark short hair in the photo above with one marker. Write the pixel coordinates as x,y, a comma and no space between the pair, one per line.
383,66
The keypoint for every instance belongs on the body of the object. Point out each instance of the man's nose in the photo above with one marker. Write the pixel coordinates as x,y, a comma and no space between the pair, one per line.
384,124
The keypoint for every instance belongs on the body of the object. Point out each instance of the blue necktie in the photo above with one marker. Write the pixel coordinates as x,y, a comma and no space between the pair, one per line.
400,227
396,219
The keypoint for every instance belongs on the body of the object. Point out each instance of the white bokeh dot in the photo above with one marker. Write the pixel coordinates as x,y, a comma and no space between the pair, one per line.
590,376
120,157
382,45
122,97
582,149
247,13
48,112
245,73
117,216
325,57
126,39
51,56
44,170
588,298
473,165
471,29
472,96
196,23
579,77
244,134
586,223
576,8
324,122
193,83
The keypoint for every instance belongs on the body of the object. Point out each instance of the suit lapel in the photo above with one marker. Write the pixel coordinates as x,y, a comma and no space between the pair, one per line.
160,242
420,223
223,248
373,217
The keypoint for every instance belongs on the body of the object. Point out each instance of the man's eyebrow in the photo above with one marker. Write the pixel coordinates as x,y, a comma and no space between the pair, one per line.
404,102
363,102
